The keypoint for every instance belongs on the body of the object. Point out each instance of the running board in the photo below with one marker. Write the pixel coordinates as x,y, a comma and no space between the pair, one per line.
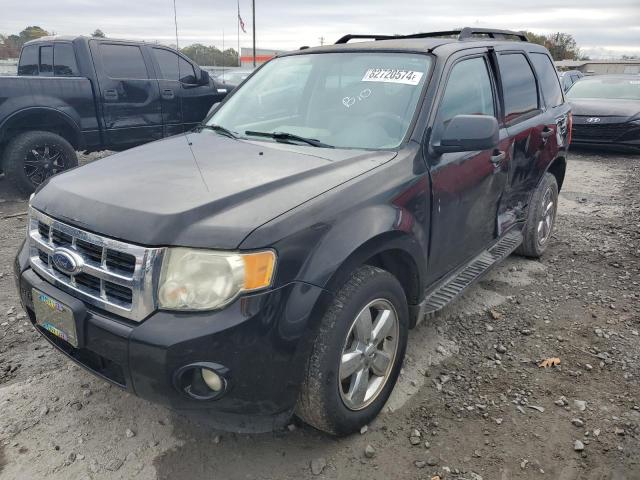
453,286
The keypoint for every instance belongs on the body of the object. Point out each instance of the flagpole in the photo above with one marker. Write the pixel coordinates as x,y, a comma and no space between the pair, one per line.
238,20
253,8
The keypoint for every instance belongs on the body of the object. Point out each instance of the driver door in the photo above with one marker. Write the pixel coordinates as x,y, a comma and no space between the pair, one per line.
467,186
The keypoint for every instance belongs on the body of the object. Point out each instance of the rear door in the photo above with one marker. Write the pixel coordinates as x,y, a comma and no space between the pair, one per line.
467,187
528,133
129,94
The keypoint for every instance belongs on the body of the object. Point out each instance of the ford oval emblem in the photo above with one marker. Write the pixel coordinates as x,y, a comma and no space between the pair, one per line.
66,261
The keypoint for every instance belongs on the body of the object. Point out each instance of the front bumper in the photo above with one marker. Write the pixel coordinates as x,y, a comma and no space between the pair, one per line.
623,134
262,340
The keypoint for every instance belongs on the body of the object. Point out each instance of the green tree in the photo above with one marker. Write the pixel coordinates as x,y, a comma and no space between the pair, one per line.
31,33
562,46
98,33
211,55
535,38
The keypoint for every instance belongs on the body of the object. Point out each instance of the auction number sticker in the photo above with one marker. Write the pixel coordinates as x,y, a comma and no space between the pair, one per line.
392,75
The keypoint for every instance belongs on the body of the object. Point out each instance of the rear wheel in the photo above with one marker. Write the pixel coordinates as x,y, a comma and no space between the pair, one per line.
32,157
357,354
541,218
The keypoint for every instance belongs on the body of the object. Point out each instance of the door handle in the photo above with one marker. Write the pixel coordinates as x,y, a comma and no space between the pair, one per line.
110,95
546,133
497,157
167,93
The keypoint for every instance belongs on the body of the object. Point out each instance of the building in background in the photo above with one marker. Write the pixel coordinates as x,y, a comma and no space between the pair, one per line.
600,67
262,55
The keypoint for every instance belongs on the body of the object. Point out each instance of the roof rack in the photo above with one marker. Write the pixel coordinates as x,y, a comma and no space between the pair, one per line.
463,34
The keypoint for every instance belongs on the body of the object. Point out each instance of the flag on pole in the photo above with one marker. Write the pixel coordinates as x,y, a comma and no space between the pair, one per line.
240,20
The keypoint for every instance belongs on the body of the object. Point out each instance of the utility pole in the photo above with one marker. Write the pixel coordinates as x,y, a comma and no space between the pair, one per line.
321,41
253,9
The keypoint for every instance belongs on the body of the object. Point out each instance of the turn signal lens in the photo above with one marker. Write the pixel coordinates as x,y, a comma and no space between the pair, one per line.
258,269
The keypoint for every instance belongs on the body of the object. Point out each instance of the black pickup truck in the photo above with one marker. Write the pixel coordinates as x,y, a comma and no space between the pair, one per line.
273,260
94,94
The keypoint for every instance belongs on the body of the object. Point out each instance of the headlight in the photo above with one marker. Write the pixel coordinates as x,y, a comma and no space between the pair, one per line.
193,279
635,122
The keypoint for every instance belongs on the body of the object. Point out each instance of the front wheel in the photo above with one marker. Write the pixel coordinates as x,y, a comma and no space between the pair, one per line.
541,218
32,157
357,354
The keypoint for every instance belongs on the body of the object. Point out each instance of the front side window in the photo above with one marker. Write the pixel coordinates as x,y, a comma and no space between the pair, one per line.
29,61
468,92
347,100
174,67
548,79
64,60
123,61
518,85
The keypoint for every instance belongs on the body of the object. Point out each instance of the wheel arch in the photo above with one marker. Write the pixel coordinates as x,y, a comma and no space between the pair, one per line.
41,119
558,168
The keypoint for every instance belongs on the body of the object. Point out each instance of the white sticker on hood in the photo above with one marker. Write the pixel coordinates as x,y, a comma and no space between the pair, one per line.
392,75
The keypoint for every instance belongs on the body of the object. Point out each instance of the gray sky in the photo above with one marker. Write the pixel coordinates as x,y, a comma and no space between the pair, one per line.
602,28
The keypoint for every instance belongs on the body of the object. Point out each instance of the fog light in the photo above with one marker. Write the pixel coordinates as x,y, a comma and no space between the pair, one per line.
212,379
202,380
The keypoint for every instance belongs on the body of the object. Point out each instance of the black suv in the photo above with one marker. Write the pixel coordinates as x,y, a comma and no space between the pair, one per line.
272,262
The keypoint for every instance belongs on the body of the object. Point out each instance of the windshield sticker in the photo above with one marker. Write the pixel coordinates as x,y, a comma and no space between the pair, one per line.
392,75
634,82
350,101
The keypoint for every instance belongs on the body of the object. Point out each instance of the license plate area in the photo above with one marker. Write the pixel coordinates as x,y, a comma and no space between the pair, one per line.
55,317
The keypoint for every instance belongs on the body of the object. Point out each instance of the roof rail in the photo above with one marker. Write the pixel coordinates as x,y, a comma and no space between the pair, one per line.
463,34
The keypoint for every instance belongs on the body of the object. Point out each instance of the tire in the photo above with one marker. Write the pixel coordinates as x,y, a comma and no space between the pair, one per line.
324,399
26,170
541,217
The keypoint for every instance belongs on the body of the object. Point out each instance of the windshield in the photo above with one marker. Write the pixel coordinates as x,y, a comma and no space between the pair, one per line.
609,88
345,100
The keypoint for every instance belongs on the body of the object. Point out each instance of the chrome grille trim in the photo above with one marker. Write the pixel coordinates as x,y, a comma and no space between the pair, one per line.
142,281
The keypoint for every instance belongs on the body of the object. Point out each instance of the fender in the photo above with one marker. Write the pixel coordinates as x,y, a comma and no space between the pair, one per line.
69,123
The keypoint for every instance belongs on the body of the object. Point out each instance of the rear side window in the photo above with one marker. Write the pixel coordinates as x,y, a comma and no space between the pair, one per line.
29,61
174,67
46,60
548,79
123,61
468,91
518,85
64,60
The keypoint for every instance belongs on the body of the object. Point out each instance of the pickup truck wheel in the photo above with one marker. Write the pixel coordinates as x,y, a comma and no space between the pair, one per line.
357,354
541,218
32,157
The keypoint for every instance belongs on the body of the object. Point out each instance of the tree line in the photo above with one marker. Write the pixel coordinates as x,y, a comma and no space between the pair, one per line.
10,46
561,45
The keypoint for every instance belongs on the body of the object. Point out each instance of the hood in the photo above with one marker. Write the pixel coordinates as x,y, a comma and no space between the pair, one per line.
599,107
198,190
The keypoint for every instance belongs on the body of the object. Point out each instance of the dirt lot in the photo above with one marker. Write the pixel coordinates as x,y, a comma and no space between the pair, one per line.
472,402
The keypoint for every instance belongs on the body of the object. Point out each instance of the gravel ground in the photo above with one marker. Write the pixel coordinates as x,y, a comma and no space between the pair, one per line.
472,402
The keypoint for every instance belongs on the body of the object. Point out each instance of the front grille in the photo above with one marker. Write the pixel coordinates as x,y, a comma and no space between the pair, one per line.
607,131
112,275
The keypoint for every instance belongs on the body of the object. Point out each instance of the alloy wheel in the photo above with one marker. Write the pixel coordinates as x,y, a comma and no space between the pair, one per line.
44,161
547,217
368,354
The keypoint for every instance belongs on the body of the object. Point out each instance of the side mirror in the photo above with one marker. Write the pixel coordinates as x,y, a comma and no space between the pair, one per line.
467,133
204,77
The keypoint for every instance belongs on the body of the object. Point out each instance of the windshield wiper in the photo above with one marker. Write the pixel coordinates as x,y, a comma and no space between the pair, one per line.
220,129
285,136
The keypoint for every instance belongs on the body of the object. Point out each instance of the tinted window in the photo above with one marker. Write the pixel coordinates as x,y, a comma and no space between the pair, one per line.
468,91
548,79
64,60
519,85
174,67
46,59
123,61
28,61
